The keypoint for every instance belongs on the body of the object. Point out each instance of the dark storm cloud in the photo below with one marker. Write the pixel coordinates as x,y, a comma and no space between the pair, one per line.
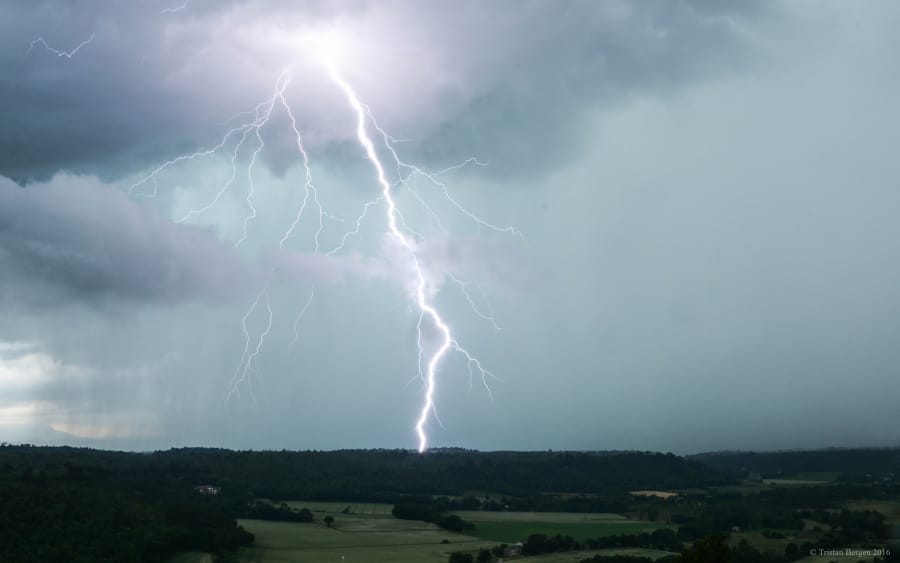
578,56
75,239
151,85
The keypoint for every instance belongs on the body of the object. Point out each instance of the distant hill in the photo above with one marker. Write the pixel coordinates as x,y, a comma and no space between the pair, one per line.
851,463
371,474
384,474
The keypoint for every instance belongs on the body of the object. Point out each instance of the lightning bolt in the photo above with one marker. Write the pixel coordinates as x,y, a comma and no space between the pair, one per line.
261,112
175,9
426,309
415,172
245,368
310,194
300,315
308,187
464,288
57,52
261,115
435,339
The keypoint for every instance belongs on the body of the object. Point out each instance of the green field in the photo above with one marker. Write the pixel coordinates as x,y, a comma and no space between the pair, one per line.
379,540
509,532
366,532
289,542
362,532
335,508
577,556
510,527
561,517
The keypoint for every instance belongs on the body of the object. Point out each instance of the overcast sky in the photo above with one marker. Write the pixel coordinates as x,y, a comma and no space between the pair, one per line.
703,202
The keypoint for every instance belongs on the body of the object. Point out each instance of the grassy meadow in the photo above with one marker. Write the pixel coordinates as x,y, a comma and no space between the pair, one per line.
577,556
366,532
510,527
362,532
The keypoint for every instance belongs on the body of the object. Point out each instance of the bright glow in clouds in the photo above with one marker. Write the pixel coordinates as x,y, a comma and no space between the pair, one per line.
329,48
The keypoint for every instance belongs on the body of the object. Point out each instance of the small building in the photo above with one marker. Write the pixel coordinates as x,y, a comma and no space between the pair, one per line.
207,489
514,550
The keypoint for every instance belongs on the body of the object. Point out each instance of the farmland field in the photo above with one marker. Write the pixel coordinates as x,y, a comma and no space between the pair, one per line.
577,556
377,540
516,526
561,517
369,508
366,532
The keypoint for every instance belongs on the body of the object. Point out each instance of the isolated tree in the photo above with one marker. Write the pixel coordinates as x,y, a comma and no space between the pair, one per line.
329,520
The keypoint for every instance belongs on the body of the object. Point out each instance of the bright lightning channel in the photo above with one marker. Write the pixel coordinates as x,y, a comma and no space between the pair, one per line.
426,309
408,176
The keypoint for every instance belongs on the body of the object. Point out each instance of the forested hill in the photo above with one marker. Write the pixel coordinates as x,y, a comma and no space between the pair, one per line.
852,464
368,474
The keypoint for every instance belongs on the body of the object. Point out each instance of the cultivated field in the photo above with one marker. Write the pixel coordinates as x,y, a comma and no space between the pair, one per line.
366,532
577,556
289,542
379,540
510,527
334,508
362,532
559,517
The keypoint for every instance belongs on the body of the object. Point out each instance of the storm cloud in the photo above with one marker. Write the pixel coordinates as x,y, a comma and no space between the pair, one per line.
74,239
507,81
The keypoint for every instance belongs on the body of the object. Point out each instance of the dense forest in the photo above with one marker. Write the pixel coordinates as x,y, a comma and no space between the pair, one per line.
852,464
82,513
382,474
79,504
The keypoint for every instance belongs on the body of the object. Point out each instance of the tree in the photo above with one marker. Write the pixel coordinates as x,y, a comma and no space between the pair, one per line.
484,555
329,520
713,549
460,557
792,552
